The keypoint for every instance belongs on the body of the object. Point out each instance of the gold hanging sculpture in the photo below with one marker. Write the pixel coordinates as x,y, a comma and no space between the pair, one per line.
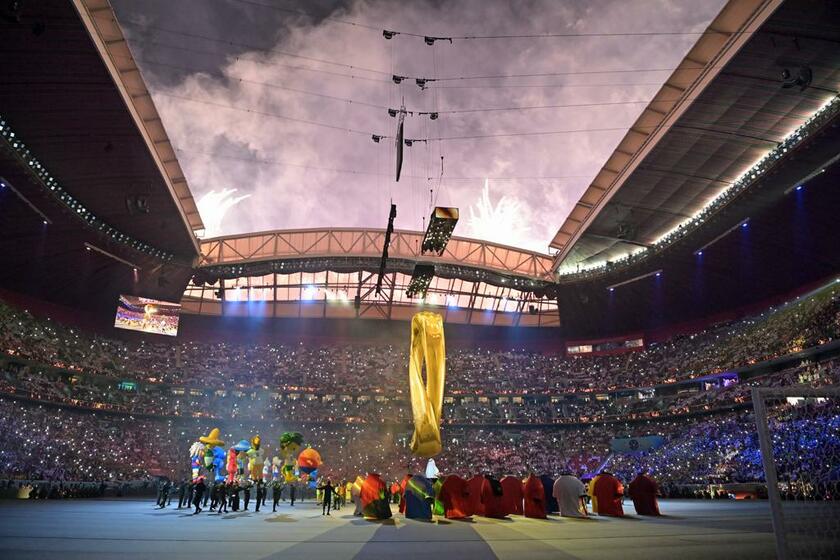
427,347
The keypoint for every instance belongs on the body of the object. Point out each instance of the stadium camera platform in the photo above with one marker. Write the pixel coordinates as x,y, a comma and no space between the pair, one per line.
134,529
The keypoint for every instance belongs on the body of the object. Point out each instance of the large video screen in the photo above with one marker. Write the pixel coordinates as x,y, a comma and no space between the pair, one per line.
148,315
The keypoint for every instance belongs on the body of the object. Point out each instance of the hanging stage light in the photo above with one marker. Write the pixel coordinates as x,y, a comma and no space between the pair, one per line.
421,278
441,224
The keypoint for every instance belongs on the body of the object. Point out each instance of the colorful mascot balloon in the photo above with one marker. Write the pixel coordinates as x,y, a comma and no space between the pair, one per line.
210,441
290,443
196,458
231,464
276,467
427,347
242,449
309,460
256,459
219,463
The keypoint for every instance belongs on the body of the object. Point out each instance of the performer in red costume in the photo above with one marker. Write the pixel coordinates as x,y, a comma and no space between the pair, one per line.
608,492
474,487
644,490
455,495
534,498
512,495
374,503
491,498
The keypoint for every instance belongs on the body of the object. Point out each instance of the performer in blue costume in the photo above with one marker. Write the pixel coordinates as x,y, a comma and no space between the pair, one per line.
419,497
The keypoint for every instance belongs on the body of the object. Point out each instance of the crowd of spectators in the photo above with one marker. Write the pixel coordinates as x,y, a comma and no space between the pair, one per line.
81,407
57,444
96,393
380,369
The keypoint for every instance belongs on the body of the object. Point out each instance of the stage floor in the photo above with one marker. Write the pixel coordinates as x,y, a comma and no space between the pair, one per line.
131,530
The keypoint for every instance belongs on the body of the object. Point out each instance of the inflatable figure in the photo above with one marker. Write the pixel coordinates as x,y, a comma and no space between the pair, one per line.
256,459
427,347
242,449
276,465
290,443
309,460
218,463
196,458
231,464
210,441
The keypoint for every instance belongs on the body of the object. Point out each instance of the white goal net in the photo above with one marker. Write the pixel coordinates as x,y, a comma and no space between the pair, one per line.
799,437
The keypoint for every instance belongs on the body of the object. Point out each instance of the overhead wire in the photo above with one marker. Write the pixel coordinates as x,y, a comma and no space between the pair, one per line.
281,163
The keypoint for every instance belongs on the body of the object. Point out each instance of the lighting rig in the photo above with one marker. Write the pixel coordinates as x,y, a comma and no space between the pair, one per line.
441,224
420,280
387,243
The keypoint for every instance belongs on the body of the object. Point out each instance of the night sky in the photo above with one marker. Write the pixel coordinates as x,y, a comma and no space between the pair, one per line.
272,104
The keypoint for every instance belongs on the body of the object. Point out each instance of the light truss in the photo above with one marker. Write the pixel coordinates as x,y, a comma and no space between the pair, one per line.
331,294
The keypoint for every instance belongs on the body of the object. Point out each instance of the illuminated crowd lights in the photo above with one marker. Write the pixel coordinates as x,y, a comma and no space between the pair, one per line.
758,170
57,191
441,224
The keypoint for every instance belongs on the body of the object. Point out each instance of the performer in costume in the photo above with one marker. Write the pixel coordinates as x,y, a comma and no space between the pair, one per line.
513,494
418,498
548,487
643,491
403,486
427,347
356,494
475,486
372,495
276,492
570,494
491,498
198,494
590,489
437,486
609,491
455,497
534,498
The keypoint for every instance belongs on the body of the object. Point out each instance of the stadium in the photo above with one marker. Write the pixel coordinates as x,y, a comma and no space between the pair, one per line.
452,278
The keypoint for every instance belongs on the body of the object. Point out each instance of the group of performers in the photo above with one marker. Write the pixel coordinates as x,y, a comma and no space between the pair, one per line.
536,497
227,478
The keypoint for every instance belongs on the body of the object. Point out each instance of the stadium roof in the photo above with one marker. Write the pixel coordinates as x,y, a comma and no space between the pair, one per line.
722,110
83,151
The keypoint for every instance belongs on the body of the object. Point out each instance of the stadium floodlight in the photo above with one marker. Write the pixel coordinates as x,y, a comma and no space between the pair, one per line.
441,224
421,278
